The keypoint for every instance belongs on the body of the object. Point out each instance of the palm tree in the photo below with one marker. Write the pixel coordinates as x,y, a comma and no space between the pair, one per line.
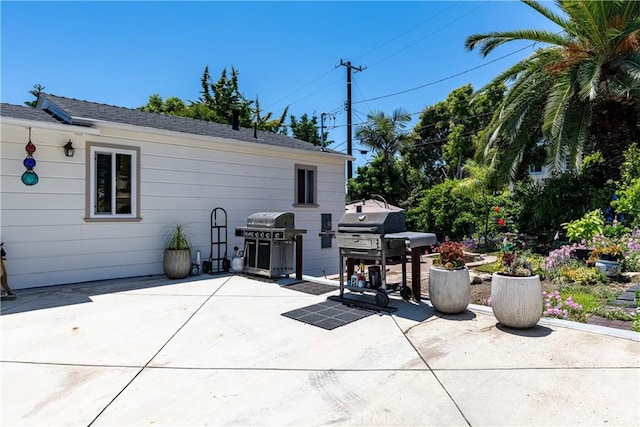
579,93
479,183
384,134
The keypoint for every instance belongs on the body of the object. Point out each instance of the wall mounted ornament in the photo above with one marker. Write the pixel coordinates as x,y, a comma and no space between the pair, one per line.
29,177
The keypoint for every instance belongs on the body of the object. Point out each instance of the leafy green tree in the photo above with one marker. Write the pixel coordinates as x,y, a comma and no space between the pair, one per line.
172,106
36,91
217,102
307,129
542,207
629,186
266,123
445,136
443,214
224,96
580,91
374,179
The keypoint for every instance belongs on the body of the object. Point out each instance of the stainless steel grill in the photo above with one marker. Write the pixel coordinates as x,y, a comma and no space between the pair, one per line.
269,239
374,230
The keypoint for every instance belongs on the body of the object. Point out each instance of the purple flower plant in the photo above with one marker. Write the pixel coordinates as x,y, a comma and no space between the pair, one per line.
561,256
555,307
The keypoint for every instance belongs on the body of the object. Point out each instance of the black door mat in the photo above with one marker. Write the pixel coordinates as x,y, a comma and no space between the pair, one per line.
312,288
328,314
362,304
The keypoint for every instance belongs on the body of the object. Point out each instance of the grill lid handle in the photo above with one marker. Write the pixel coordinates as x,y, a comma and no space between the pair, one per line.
346,229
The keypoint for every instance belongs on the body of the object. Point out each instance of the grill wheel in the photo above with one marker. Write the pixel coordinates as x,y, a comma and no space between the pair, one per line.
382,299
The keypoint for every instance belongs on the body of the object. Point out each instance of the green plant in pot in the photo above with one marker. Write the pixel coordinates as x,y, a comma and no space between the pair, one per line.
516,292
583,231
607,257
449,281
177,253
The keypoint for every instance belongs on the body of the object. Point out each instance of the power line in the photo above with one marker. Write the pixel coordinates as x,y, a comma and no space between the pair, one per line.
445,78
371,51
430,34
408,31
300,88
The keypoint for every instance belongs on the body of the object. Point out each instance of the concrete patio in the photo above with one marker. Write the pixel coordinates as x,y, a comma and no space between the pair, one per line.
215,350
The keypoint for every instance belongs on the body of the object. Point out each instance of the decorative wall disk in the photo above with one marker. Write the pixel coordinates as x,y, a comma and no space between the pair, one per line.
29,177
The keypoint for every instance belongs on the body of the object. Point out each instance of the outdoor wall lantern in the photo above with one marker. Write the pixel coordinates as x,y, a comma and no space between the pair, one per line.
69,150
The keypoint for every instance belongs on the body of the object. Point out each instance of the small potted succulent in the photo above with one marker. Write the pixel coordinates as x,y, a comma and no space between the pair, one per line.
516,291
451,255
449,281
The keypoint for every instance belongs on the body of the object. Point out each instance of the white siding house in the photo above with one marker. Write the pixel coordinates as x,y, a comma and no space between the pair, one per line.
74,226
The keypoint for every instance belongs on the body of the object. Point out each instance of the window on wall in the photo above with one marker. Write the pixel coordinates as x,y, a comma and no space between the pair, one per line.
113,184
536,169
305,185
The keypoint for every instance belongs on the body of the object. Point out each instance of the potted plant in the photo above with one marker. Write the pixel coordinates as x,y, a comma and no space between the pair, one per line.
516,292
177,253
583,230
606,258
449,282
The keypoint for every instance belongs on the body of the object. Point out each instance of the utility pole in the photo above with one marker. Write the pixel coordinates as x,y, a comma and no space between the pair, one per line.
322,129
349,144
322,116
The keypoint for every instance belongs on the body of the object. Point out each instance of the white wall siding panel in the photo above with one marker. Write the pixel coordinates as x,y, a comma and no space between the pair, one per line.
182,179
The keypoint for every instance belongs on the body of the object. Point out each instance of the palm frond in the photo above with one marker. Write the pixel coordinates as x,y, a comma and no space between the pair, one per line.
490,41
632,65
588,75
547,13
555,108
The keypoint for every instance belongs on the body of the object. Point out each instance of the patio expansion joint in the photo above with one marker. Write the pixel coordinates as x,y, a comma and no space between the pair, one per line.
276,369
540,368
435,376
142,369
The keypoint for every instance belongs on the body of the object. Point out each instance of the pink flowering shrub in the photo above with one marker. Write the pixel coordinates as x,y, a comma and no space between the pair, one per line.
559,257
554,306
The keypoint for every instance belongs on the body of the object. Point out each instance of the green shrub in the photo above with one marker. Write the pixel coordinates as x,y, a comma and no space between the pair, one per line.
613,314
440,213
561,198
579,275
585,228
584,297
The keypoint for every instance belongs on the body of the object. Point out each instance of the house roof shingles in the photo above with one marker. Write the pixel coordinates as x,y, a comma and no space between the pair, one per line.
25,113
109,113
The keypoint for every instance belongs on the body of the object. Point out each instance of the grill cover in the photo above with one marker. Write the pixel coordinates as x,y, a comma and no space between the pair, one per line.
372,216
271,220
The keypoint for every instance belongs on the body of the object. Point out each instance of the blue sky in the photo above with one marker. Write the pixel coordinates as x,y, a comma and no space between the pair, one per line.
287,53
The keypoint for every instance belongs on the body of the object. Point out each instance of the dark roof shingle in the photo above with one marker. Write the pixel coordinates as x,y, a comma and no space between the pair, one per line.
109,113
25,113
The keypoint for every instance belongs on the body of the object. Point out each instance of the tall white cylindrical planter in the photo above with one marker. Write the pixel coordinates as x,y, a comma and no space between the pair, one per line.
516,301
449,289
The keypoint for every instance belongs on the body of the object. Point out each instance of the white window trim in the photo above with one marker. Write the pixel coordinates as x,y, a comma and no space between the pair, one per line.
315,185
542,170
92,150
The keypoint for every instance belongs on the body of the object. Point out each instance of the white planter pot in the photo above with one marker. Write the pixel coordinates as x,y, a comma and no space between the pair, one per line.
516,301
609,268
449,290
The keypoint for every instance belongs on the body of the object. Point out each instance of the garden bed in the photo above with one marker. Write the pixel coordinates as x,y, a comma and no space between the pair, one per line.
596,299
